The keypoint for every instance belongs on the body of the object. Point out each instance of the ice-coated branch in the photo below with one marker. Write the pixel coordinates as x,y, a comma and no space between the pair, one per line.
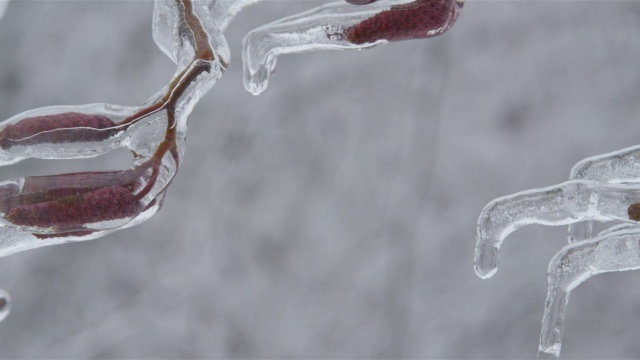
615,251
603,188
55,209
340,26
224,11
48,210
563,204
616,167
81,205
186,31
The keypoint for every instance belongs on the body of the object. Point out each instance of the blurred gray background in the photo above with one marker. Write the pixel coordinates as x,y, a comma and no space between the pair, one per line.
333,216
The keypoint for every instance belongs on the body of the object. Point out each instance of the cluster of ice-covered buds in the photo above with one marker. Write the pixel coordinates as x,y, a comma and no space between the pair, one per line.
48,210
601,188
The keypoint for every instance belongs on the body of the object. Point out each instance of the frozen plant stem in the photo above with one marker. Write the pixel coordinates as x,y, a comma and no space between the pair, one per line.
55,209
603,188
615,167
85,206
566,203
616,251
59,205
339,26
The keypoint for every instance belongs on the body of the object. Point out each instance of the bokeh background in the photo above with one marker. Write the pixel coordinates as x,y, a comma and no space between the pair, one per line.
334,216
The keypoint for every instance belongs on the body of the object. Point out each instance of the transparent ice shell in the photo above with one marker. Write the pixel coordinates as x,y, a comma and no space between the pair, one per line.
603,188
56,209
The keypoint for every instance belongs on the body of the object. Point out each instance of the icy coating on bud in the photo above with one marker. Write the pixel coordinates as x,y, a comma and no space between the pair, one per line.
56,209
105,204
420,19
337,26
56,129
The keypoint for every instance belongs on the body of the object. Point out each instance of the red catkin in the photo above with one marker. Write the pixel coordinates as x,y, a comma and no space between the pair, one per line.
418,19
91,180
57,128
109,203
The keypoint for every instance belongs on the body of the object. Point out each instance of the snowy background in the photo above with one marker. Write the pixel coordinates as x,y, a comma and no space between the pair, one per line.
334,216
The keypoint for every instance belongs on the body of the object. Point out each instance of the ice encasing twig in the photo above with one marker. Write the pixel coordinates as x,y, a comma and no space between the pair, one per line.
563,204
50,210
608,189
615,251
340,26
615,167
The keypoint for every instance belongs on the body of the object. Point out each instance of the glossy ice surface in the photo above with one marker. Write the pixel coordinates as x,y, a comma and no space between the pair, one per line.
317,220
55,209
603,188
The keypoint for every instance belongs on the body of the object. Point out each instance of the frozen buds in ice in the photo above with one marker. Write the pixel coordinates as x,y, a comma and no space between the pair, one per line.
418,19
57,129
62,203
108,203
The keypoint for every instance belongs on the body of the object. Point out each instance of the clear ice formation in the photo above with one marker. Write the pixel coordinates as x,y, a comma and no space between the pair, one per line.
339,26
601,188
49,210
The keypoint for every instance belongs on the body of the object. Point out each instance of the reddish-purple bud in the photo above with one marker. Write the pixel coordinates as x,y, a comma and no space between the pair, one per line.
58,128
419,19
109,203
83,180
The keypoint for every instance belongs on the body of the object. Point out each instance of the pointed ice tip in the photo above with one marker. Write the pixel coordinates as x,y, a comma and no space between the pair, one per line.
253,89
549,353
485,273
486,260
256,82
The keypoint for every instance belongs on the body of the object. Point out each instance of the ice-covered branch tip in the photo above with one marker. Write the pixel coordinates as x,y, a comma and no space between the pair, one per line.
603,188
48,210
570,202
342,26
